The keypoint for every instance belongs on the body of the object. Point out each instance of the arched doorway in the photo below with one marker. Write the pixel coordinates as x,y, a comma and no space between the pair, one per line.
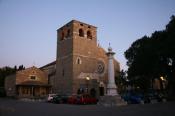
101,89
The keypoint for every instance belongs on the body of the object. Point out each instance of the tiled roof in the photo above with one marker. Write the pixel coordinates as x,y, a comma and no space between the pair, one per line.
52,63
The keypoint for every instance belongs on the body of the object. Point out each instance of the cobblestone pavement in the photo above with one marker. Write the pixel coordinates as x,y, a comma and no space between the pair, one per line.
10,107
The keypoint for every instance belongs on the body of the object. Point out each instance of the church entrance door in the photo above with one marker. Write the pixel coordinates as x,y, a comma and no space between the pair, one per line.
101,90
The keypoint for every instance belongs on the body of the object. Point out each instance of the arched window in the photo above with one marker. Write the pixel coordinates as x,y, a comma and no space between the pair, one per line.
78,61
81,33
89,35
62,36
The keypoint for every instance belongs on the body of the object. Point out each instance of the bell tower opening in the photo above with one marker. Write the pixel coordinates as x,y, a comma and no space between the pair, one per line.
81,33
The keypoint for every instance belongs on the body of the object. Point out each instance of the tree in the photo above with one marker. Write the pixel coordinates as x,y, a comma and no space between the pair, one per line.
21,67
121,81
5,71
152,57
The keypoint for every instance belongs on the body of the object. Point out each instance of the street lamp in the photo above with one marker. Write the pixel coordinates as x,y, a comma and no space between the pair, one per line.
87,78
162,78
87,83
163,81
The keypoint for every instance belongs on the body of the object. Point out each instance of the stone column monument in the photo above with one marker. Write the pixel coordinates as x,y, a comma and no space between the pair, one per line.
111,86
112,98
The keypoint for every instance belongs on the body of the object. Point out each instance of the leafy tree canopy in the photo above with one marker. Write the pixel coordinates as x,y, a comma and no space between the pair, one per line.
152,57
5,71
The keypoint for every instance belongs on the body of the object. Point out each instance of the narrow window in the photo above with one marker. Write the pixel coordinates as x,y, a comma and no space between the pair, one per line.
68,33
78,61
81,33
62,36
89,35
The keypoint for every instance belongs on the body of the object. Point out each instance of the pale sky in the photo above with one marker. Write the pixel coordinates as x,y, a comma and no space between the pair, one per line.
28,27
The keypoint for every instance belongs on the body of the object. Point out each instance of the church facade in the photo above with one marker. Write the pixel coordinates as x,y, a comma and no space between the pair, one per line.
81,64
81,67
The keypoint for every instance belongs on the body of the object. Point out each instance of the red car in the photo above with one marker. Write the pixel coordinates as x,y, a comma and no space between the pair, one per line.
82,99
72,99
89,100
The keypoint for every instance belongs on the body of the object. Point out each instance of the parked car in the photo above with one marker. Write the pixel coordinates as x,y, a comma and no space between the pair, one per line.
133,97
72,99
57,99
162,97
87,99
65,98
82,99
50,97
154,96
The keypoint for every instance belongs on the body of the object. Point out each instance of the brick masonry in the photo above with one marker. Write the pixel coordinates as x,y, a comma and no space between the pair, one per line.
77,53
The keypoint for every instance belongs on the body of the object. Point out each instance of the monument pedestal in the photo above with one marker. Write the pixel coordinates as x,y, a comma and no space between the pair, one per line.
112,89
112,101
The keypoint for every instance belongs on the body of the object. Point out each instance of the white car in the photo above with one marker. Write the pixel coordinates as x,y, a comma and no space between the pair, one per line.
50,97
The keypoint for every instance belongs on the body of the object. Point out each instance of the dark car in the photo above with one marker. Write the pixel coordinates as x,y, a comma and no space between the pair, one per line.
133,97
150,98
136,98
57,99
65,98
154,96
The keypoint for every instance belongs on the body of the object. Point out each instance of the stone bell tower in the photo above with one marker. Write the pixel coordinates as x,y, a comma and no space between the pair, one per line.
74,41
81,65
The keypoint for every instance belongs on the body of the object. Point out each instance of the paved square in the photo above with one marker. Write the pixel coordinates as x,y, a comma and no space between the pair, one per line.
9,107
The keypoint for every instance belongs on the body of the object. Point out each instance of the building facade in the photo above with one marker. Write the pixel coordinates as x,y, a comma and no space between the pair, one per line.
28,83
50,70
81,65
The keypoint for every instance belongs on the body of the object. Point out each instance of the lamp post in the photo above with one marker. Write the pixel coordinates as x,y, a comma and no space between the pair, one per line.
87,83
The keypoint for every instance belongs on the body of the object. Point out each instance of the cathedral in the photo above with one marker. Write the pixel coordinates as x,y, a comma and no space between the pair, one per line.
81,64
81,67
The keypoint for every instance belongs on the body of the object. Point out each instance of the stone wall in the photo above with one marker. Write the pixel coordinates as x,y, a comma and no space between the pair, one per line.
63,79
